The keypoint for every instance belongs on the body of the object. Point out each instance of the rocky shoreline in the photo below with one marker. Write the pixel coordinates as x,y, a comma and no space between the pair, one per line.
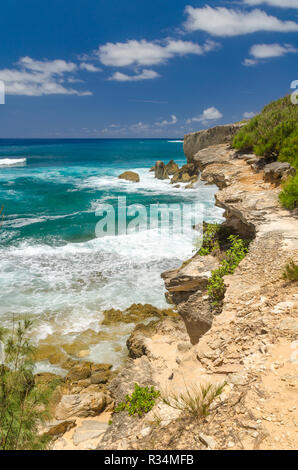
249,343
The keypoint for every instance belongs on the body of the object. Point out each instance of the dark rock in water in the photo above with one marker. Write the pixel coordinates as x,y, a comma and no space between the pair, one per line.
130,176
277,172
187,173
172,167
100,377
152,168
135,313
160,171
79,372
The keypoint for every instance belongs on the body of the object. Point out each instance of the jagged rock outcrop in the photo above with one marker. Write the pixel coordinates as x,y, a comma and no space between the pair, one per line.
216,135
277,172
130,176
160,171
194,275
82,405
186,287
172,167
187,174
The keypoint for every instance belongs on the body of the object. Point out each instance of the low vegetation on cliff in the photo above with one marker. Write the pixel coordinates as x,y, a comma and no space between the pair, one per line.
233,256
195,401
274,134
139,402
291,272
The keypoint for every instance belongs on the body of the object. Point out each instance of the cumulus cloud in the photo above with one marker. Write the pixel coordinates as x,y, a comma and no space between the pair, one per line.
222,21
266,51
89,67
145,53
144,75
170,122
209,114
274,3
36,78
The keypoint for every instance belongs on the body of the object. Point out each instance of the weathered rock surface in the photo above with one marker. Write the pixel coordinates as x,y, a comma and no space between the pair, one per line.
172,167
187,173
160,171
134,314
192,276
216,135
130,176
186,288
83,404
56,428
89,430
277,172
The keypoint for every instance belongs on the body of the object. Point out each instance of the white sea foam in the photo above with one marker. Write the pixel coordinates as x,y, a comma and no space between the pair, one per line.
19,222
175,141
148,184
12,161
67,287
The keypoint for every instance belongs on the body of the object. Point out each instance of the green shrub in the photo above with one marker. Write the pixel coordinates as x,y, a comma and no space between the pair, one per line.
23,403
141,401
289,151
289,194
210,241
291,272
274,133
233,256
271,131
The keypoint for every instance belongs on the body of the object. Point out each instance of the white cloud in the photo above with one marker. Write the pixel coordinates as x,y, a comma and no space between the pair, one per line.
35,78
228,22
139,126
47,67
209,114
274,3
144,53
249,62
171,122
249,115
89,67
144,75
265,51
260,52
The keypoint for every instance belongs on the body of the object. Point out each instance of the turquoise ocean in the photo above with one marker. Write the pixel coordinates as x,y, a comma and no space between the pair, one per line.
53,268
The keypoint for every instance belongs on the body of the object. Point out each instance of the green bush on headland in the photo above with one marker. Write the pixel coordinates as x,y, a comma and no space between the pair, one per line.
274,133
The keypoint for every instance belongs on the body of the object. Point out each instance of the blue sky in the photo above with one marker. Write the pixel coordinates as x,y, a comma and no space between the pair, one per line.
142,68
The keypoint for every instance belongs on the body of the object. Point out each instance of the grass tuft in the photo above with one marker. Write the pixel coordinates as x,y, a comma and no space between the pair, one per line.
195,401
291,272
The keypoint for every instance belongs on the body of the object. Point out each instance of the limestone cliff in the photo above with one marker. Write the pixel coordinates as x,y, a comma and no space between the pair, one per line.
215,135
